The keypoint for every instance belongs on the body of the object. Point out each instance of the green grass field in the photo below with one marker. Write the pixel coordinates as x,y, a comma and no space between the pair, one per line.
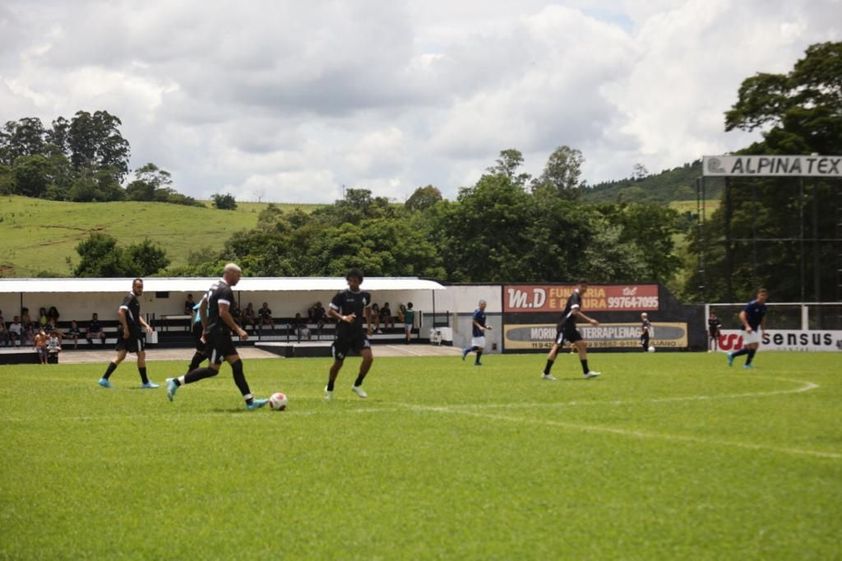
39,235
666,456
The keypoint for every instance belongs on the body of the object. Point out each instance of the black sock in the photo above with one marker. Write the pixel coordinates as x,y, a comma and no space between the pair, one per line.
359,381
479,354
330,384
743,351
199,374
585,368
548,367
112,366
196,361
143,378
751,354
240,379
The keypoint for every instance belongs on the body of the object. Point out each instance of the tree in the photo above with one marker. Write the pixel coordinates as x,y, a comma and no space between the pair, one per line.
101,257
639,172
508,164
95,142
562,172
423,198
145,258
31,175
224,202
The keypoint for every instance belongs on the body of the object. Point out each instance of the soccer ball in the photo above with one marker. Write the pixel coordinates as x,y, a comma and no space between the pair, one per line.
651,349
278,401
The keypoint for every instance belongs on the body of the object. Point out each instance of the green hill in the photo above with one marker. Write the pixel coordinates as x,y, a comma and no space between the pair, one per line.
677,184
39,236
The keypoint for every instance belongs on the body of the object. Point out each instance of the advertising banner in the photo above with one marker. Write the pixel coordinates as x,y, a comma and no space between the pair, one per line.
606,335
598,298
785,340
772,166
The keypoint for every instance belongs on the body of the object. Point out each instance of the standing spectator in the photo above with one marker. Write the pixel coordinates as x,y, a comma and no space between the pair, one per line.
219,325
645,327
350,308
250,318
386,316
753,318
53,346
4,333
408,321
15,331
299,327
73,333
188,306
41,346
130,337
566,331
714,325
28,330
375,317
95,330
317,316
42,318
265,315
52,314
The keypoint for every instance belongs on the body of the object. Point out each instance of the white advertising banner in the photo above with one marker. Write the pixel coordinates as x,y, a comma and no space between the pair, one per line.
785,340
772,166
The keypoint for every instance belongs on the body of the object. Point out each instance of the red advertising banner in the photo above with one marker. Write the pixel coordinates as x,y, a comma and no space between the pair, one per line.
521,298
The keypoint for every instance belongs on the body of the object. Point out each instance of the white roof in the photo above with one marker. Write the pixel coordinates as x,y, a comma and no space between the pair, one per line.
200,284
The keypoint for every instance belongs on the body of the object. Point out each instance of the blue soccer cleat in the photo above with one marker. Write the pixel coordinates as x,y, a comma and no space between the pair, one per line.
256,404
104,383
465,353
150,385
172,387
730,359
749,366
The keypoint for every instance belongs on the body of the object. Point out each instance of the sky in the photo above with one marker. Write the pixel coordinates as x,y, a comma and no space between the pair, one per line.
290,101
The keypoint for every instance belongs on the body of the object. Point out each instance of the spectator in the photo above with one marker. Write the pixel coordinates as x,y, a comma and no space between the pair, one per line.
386,316
2,319
188,306
250,318
265,315
73,333
401,312
42,318
409,321
375,318
317,316
299,327
95,330
41,346
15,331
27,331
714,326
52,327
52,314
4,333
53,346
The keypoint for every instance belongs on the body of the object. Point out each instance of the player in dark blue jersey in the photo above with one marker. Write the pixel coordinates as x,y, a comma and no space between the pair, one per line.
478,329
566,331
351,309
130,337
218,322
753,318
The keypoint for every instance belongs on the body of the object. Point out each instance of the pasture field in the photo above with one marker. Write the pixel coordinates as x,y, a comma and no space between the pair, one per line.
669,456
38,235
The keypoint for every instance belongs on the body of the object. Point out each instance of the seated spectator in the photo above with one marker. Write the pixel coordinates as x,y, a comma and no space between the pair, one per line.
188,305
52,327
95,330
73,333
41,346
265,315
317,316
375,318
53,346
5,339
53,314
386,316
250,317
15,331
2,319
401,313
42,318
299,327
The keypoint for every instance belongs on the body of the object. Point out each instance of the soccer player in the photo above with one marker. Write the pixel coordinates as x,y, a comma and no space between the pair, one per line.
645,326
198,332
753,318
350,308
713,331
130,337
566,331
478,328
215,311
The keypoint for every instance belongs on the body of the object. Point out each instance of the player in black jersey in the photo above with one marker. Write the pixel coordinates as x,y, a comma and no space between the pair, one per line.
645,329
351,309
130,337
567,331
215,312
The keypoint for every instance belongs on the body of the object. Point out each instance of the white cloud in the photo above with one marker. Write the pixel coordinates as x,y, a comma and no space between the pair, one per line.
289,101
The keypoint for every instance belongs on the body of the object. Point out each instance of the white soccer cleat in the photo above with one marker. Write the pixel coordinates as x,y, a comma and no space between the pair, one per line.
592,374
328,394
548,377
359,391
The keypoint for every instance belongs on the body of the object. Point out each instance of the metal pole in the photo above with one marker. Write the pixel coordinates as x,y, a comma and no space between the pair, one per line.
729,253
817,272
803,272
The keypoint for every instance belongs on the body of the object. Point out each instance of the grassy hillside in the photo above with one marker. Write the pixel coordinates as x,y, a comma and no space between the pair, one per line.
677,184
39,236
